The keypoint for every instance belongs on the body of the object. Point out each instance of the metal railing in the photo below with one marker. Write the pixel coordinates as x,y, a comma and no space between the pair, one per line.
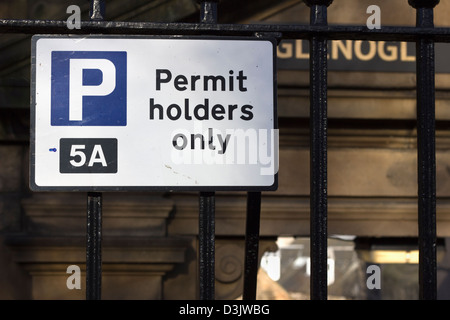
318,33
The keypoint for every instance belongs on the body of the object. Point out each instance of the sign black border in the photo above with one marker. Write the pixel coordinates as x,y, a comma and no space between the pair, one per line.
35,187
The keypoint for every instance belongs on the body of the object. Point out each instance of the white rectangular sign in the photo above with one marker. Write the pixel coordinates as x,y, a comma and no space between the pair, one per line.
152,113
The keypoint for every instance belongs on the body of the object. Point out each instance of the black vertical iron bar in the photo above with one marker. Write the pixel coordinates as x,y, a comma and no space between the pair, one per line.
94,246
426,157
206,245
318,152
94,210
208,15
252,245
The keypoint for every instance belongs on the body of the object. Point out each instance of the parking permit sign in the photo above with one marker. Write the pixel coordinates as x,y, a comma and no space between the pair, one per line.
153,113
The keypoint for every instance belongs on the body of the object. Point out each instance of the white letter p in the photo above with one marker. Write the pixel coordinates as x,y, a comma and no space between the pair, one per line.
77,90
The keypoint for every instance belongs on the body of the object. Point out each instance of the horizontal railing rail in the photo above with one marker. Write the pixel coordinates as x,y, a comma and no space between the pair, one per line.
332,32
